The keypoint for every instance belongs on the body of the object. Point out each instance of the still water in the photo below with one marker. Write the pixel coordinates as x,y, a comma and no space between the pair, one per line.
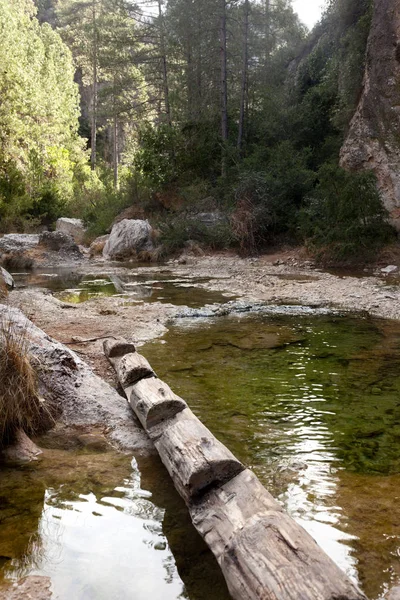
312,404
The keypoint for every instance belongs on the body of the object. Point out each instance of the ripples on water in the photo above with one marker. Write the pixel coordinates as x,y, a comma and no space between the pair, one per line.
311,404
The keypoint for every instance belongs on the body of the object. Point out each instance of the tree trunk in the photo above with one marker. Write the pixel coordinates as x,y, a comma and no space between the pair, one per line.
115,151
243,95
164,64
224,88
93,133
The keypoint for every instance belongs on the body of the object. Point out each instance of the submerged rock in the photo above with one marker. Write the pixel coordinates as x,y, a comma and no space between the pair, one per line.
128,238
73,227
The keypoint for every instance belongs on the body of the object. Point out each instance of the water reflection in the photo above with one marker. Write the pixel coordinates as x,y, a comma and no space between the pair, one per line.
316,414
131,288
101,532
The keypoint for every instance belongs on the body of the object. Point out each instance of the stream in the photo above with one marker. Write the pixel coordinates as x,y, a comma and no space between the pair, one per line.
310,402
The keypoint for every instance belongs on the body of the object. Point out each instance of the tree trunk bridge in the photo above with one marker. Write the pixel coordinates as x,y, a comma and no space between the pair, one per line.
262,552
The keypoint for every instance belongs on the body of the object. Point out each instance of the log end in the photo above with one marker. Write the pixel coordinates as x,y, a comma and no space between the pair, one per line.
115,348
158,413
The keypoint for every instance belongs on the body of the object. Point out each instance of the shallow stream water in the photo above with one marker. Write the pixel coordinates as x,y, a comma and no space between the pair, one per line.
131,287
311,403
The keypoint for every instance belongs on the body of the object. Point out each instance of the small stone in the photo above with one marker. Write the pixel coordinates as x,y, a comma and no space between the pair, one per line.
390,269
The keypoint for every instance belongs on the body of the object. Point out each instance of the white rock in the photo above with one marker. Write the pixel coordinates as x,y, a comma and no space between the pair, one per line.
7,278
390,269
127,238
18,242
73,227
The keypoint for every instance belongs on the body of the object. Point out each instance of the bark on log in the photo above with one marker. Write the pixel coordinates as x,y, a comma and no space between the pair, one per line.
131,368
153,401
263,553
114,348
194,458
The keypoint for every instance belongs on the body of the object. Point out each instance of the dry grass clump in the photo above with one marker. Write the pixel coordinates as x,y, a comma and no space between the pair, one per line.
20,404
243,223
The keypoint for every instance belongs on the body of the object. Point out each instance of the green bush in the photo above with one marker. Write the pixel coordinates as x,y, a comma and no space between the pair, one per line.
344,219
181,228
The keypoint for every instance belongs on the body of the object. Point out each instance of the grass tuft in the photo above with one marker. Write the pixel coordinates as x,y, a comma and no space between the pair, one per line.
20,404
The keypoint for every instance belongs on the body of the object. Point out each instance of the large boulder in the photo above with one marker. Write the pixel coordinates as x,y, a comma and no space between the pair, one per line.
60,242
12,243
6,278
73,227
128,238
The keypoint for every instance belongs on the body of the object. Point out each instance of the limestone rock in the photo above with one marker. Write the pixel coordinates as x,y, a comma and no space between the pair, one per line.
394,593
128,238
18,242
22,450
84,399
59,241
97,246
73,227
7,278
373,141
389,269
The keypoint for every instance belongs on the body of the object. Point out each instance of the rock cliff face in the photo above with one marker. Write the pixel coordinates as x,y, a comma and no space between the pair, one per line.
373,141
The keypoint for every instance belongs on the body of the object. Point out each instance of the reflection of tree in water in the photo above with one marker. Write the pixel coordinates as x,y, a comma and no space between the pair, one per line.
25,492
196,564
370,512
21,504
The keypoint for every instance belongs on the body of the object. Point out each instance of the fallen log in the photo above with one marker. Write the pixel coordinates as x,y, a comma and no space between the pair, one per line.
153,401
263,553
131,368
116,347
193,457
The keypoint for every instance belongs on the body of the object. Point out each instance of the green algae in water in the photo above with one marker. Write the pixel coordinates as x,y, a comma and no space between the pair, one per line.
100,529
313,406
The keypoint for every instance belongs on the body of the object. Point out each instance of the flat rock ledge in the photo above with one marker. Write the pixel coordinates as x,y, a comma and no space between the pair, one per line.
82,398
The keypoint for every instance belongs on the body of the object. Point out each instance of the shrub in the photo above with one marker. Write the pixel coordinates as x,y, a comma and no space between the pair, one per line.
20,404
344,219
181,228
